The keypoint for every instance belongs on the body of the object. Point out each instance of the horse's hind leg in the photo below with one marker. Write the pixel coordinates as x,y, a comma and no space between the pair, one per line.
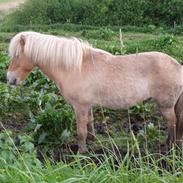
169,115
91,131
81,113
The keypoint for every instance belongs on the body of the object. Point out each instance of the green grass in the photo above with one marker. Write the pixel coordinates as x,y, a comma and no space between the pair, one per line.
104,173
106,168
7,1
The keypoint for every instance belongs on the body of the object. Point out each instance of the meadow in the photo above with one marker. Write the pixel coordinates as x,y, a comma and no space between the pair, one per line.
38,141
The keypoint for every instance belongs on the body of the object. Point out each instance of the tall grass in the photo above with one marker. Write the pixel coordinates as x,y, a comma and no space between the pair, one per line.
107,167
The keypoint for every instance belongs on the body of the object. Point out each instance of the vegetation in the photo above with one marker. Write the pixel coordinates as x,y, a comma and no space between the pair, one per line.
22,166
38,130
43,121
5,1
103,12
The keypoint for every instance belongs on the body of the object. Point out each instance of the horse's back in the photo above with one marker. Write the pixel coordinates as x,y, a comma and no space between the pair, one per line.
164,75
133,78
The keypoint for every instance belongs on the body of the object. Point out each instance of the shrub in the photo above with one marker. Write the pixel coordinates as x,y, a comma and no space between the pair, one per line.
165,12
52,126
102,33
104,12
32,12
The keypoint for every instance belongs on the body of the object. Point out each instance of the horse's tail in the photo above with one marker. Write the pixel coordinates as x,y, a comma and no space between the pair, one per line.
179,116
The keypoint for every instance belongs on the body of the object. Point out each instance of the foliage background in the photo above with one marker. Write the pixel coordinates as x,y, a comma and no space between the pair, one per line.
100,12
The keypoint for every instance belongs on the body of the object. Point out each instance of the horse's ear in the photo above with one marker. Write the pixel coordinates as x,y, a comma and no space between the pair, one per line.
22,40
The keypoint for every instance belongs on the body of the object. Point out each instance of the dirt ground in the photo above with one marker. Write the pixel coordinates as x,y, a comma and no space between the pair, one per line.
10,5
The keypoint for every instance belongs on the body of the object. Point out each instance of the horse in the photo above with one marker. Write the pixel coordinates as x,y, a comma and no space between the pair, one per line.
88,77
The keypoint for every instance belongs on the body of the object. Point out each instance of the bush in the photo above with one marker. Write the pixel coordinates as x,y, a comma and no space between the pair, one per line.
165,12
32,12
102,33
52,126
104,12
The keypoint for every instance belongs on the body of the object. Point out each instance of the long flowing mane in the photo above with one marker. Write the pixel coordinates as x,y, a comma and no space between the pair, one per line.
50,50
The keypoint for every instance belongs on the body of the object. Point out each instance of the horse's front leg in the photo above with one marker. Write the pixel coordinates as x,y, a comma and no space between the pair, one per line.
81,113
90,125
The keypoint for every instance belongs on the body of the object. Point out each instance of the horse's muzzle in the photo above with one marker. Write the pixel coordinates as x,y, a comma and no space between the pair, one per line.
13,82
12,78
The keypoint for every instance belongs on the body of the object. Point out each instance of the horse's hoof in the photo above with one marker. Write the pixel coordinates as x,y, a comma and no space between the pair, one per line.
82,149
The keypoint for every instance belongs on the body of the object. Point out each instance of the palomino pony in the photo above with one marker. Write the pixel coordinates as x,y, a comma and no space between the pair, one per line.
89,77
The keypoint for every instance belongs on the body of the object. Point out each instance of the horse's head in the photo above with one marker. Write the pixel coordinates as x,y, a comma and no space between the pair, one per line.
20,66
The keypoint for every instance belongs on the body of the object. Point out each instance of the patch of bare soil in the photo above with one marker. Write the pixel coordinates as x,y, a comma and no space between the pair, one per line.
14,122
10,5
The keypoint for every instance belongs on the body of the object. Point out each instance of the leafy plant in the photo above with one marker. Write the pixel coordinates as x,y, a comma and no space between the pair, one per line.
3,66
144,110
165,41
52,126
14,150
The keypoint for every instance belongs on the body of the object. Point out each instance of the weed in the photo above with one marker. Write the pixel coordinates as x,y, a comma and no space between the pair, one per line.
52,126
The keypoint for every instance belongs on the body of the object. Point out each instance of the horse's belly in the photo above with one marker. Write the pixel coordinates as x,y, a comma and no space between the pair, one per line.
116,97
120,102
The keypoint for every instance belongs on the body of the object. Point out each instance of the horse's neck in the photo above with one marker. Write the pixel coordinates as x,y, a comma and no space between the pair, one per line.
53,74
91,60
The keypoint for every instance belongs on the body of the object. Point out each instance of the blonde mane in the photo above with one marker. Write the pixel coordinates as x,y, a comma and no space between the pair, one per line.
50,50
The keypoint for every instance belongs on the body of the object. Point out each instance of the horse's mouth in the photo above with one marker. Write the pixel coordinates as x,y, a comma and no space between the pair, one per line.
13,81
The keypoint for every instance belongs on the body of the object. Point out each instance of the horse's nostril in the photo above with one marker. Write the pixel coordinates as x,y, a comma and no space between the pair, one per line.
13,81
12,78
